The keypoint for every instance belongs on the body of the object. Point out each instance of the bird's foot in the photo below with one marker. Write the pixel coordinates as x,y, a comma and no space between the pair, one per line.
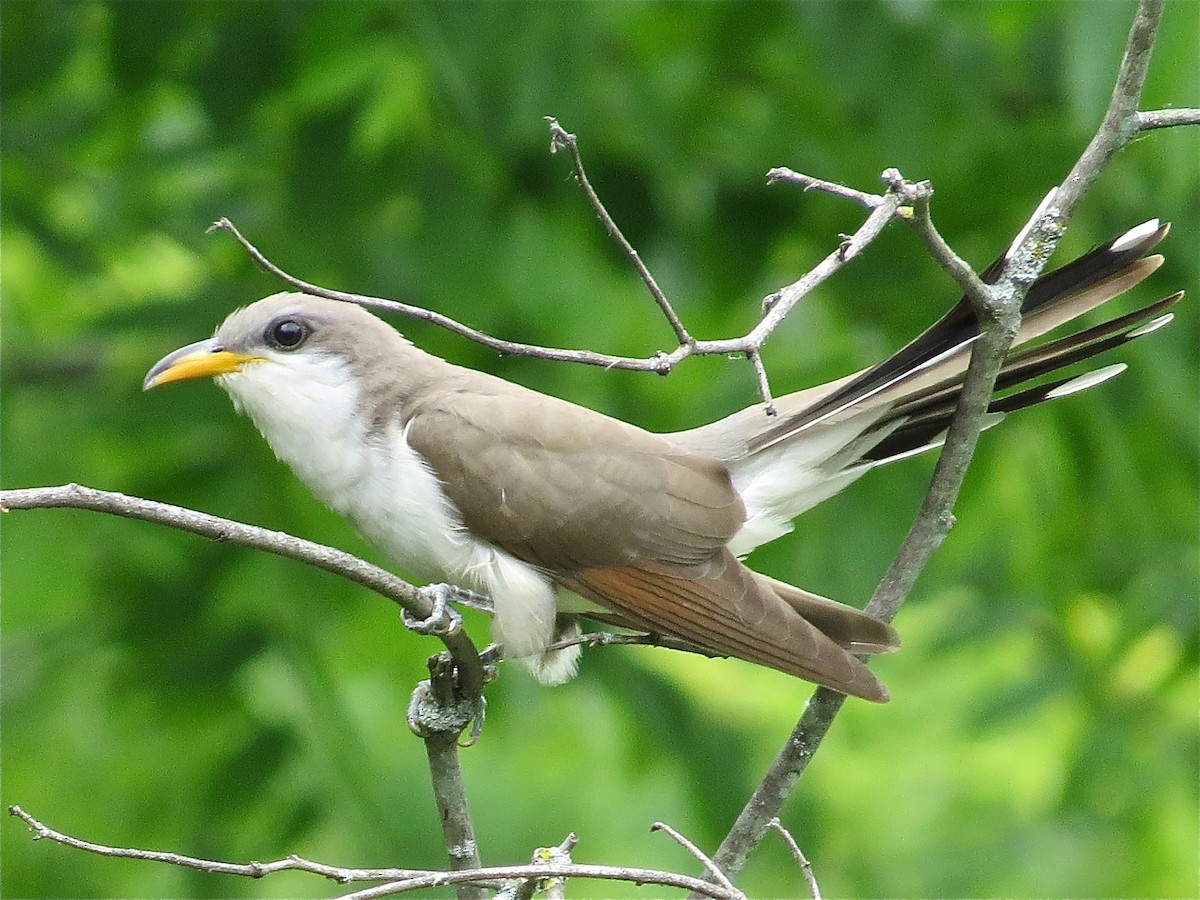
442,621
438,707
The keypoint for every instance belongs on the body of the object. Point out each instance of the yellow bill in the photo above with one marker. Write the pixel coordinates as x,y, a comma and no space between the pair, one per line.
202,359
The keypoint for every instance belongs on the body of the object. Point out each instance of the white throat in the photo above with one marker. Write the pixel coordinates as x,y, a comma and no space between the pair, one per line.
308,407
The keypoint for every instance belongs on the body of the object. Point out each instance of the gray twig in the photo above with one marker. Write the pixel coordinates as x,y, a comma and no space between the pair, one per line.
339,874
806,868
398,880
1167,118
783,173
508,348
410,598
764,386
713,870
775,307
786,298
438,714
1120,123
561,139
627,874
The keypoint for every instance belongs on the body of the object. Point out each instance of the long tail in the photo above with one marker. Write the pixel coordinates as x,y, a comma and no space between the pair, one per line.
934,363
826,437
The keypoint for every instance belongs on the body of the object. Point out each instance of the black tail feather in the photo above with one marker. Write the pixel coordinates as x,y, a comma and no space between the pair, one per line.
929,417
1123,254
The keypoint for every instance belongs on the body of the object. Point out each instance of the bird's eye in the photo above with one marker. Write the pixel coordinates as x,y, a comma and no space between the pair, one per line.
286,334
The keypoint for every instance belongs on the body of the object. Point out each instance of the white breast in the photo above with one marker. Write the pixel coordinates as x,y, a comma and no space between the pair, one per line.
306,405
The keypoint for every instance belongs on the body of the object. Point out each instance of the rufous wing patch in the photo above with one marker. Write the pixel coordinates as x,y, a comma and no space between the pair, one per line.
727,609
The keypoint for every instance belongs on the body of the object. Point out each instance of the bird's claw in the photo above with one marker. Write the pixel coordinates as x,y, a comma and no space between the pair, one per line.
442,621
437,708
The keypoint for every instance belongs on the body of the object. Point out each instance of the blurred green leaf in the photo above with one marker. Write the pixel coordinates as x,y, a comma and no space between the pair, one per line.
165,692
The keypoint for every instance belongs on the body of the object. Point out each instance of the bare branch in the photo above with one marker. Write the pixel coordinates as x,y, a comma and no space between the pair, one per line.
1167,118
775,307
952,264
806,869
1000,316
416,601
248,870
783,300
561,139
764,386
399,880
450,795
691,848
1120,123
510,348
575,870
783,173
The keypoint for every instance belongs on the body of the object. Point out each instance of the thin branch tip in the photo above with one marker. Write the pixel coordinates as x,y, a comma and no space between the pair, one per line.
704,859
560,138
1148,120
806,869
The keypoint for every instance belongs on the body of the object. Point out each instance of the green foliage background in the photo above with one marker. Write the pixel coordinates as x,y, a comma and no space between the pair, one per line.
167,692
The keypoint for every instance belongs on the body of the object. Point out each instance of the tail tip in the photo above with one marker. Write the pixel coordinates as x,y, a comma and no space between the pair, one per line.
1139,233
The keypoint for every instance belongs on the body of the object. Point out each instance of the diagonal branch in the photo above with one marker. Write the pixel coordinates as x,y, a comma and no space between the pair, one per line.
717,875
1120,123
508,348
561,139
998,307
806,869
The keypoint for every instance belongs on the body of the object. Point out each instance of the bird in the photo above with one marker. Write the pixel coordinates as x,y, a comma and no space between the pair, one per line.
557,511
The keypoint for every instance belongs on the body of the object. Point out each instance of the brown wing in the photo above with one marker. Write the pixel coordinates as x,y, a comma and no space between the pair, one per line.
564,487
627,519
726,608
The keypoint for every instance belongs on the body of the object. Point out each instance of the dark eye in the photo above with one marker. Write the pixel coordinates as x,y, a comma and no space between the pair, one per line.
286,334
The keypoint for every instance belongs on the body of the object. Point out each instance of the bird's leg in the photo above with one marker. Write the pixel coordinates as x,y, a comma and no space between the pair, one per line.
464,597
443,620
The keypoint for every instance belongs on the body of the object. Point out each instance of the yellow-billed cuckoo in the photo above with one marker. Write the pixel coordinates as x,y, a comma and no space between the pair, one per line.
541,504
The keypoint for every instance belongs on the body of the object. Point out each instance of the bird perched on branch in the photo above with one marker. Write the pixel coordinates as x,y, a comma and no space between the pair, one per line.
555,510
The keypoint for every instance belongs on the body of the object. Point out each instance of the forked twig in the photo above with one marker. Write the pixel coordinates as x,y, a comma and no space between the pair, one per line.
775,307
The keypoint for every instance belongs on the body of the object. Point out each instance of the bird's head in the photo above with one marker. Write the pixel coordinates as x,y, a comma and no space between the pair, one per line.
291,357
287,332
